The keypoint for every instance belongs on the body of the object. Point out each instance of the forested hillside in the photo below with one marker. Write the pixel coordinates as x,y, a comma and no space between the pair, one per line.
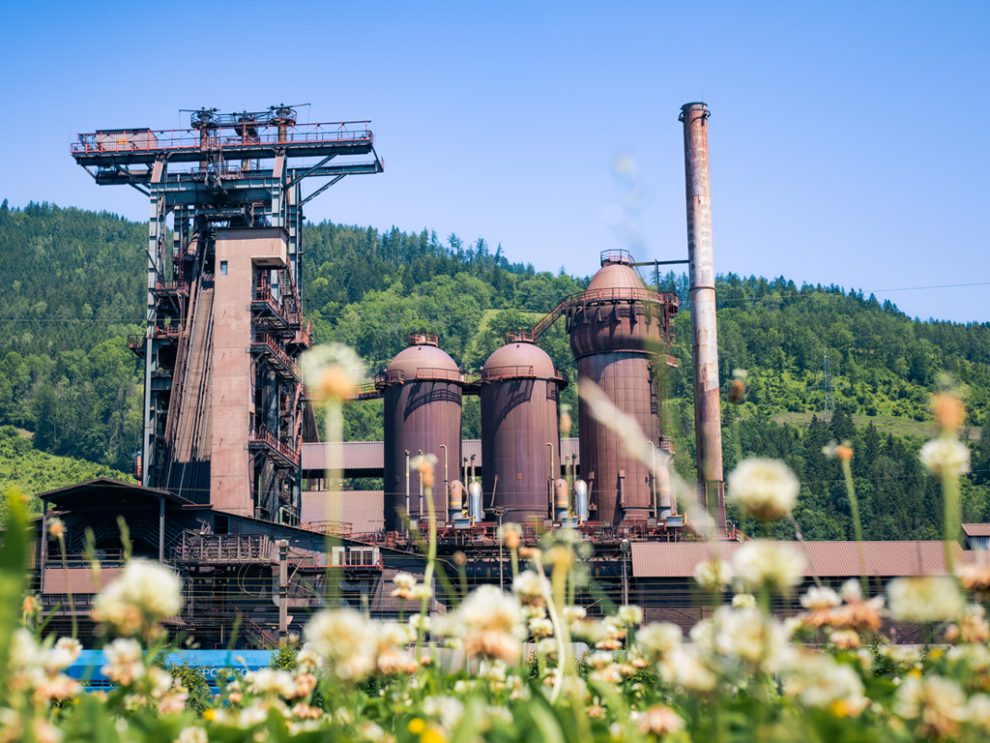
73,292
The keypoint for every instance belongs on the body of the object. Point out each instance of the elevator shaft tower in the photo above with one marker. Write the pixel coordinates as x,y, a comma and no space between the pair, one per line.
223,400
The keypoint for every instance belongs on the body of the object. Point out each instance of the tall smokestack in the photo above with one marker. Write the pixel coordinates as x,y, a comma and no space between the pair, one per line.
707,406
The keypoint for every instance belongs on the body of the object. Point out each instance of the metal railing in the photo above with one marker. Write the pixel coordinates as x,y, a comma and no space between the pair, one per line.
267,344
336,528
151,140
424,374
263,436
499,373
263,295
222,548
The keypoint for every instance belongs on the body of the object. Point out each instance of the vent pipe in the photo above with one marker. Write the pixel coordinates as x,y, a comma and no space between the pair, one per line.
707,406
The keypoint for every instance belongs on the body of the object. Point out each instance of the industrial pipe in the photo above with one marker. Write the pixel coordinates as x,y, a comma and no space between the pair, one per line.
455,501
581,501
419,453
408,514
475,510
550,480
446,470
561,499
707,406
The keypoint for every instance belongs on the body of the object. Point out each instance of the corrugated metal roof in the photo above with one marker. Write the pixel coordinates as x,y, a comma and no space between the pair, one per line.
976,530
828,559
364,510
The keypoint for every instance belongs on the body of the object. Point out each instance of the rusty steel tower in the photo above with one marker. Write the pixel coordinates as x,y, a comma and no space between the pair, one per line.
701,260
223,402
620,333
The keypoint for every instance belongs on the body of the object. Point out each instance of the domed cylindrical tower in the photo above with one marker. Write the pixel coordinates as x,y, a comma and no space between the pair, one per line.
618,331
520,430
422,388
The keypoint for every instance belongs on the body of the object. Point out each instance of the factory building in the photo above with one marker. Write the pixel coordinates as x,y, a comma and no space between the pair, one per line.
234,492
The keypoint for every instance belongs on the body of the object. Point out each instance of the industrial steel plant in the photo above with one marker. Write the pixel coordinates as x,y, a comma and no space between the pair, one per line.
233,488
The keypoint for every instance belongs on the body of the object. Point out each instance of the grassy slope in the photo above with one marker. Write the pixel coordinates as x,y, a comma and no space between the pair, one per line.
885,424
33,471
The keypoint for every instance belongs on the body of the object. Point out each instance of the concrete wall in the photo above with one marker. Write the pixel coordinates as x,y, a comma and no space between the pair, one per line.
233,370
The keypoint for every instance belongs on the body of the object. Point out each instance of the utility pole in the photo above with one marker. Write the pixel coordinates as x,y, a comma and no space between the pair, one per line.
827,384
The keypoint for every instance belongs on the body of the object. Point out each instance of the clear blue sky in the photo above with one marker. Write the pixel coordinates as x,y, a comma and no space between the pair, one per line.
849,140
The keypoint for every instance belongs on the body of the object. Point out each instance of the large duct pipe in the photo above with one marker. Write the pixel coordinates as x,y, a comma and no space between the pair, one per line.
707,406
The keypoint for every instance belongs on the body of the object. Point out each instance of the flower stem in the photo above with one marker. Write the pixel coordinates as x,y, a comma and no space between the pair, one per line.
857,523
431,554
334,446
68,587
951,518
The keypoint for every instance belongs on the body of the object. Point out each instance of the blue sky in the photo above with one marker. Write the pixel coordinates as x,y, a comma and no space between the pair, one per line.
849,140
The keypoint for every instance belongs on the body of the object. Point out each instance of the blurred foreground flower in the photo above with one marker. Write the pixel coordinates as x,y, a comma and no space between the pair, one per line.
332,372
765,488
143,595
491,625
345,639
713,575
945,457
924,600
765,564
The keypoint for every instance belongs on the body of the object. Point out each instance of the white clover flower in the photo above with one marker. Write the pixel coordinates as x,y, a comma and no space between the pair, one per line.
816,680
346,639
124,664
490,624
530,587
945,456
574,613
744,601
937,703
765,488
660,720
744,634
65,652
421,591
820,597
658,639
977,712
684,667
269,681
143,595
420,622
332,371
851,591
540,627
774,565
713,575
192,735
448,710
25,653
629,615
923,600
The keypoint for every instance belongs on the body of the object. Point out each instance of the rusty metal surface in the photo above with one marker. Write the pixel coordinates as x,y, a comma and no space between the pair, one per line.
422,415
615,342
620,483
367,458
827,559
519,417
707,405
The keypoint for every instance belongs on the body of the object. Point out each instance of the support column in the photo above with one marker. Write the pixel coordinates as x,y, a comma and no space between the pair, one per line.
156,230
283,589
